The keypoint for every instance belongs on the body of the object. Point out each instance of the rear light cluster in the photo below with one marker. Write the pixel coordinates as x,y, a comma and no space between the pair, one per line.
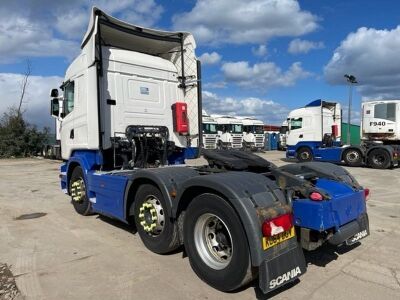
366,194
316,196
277,225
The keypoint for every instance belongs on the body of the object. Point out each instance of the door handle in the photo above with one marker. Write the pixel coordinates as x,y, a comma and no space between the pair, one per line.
300,136
71,134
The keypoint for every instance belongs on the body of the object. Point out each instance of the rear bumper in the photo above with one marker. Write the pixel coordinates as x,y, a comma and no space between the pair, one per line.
351,232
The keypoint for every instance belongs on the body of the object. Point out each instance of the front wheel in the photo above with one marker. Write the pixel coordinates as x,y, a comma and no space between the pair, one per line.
304,154
215,243
77,189
353,157
379,159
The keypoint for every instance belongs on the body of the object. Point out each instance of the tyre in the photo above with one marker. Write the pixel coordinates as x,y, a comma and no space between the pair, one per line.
215,243
77,188
219,146
353,157
304,154
153,223
379,159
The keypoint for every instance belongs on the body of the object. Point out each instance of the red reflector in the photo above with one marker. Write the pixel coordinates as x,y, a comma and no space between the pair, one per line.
366,194
277,225
315,196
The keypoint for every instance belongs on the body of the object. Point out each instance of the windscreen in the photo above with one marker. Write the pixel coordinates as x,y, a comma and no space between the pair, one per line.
236,128
259,129
209,128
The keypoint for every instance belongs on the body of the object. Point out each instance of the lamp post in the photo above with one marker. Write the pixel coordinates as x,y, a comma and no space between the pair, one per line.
351,79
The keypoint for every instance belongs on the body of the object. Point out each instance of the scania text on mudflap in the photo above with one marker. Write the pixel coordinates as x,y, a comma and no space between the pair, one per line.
129,115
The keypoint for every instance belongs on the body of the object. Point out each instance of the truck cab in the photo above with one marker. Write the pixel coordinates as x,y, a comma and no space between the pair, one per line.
230,132
253,133
283,135
209,131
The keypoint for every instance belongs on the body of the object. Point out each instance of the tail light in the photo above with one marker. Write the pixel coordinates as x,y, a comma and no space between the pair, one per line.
316,196
180,118
277,225
366,194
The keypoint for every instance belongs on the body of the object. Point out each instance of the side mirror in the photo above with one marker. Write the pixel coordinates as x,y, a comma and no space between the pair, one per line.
55,107
54,93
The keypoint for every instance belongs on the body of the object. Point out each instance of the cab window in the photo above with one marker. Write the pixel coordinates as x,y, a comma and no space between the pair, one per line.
69,91
296,123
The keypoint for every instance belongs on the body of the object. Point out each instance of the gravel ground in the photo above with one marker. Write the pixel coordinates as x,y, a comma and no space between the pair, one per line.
54,253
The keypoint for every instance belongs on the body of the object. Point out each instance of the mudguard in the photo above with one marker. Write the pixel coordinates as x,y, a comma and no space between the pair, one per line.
168,180
253,196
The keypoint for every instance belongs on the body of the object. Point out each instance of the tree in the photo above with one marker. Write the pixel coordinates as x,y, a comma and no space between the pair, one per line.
24,84
19,138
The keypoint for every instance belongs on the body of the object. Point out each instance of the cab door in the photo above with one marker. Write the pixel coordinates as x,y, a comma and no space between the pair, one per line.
67,120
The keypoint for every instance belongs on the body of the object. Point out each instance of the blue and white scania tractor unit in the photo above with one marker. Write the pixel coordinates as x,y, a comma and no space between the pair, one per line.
314,134
129,112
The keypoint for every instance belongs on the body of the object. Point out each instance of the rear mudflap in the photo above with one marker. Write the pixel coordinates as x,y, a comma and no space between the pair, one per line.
282,269
351,232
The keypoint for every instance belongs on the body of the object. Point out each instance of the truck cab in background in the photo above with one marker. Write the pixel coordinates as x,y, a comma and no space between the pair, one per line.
230,132
283,131
253,133
314,134
209,131
381,121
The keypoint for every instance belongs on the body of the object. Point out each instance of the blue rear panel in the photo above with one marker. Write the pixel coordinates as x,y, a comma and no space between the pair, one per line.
345,206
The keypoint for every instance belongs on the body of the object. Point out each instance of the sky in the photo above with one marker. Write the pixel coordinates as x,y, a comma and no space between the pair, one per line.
259,58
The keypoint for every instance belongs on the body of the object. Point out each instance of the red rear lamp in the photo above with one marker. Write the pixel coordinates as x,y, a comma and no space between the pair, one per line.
315,196
366,194
277,225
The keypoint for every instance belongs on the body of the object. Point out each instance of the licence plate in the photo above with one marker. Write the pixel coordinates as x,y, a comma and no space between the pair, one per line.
269,242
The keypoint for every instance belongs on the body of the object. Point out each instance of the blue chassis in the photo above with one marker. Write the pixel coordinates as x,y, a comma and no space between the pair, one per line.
328,154
107,191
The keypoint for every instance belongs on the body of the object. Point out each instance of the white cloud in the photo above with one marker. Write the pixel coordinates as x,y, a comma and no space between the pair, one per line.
240,22
55,28
262,75
261,50
372,56
36,104
215,85
298,46
210,58
266,110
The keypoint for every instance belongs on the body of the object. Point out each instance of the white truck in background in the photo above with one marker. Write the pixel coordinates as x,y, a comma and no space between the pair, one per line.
253,133
314,134
209,131
283,131
380,121
230,132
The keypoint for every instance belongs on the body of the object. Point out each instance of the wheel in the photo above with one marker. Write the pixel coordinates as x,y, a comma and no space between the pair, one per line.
304,154
215,243
219,145
379,159
352,157
77,188
153,223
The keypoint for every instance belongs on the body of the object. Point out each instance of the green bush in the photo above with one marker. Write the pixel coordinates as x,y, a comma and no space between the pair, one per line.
18,138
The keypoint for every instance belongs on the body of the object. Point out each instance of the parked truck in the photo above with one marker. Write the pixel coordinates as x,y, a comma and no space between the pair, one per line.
283,135
314,134
131,105
253,133
230,132
209,131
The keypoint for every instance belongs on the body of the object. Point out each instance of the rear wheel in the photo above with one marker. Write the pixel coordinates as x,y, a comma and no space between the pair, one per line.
304,154
379,159
77,189
352,157
215,243
153,223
